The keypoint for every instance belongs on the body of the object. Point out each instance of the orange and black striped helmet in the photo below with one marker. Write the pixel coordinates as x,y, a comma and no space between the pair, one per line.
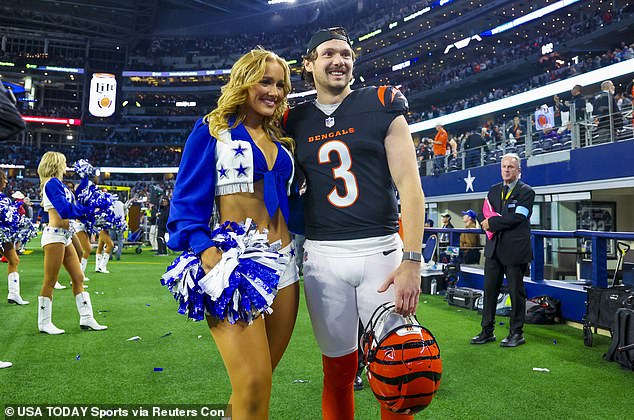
402,361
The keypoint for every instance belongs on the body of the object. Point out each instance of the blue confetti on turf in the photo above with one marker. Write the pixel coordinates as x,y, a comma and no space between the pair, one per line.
77,357
158,369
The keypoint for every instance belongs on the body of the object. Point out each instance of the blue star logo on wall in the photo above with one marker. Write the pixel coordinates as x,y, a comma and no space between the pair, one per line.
223,172
239,150
242,171
469,180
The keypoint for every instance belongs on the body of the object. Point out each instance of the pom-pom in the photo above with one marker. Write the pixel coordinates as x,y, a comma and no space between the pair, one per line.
100,214
240,287
84,169
13,226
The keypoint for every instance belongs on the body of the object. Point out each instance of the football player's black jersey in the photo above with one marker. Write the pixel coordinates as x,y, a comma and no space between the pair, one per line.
350,192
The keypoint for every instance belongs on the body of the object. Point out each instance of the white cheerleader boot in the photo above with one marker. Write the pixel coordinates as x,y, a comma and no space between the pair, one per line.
84,264
104,263
86,319
97,263
5,364
59,286
44,313
14,290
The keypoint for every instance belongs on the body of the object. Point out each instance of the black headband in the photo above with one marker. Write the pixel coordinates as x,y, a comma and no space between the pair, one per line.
324,35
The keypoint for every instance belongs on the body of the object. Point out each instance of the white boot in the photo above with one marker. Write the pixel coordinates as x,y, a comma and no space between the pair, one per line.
59,286
84,264
14,290
5,364
104,263
86,319
44,313
98,263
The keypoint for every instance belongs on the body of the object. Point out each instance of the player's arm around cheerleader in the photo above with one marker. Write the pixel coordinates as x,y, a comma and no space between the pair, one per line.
237,155
57,200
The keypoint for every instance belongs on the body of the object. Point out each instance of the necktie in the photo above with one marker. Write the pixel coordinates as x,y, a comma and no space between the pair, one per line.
505,192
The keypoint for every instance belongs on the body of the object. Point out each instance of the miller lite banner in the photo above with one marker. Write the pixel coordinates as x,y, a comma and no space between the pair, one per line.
103,95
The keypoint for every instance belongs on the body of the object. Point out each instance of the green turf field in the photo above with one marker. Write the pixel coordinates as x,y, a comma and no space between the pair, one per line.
481,382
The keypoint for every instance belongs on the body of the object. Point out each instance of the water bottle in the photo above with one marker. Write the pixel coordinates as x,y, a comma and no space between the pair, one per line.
434,286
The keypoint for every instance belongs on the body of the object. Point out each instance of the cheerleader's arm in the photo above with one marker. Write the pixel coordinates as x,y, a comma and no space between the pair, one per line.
55,192
193,199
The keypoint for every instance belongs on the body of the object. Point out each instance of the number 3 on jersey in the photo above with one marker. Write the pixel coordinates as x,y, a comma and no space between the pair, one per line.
340,172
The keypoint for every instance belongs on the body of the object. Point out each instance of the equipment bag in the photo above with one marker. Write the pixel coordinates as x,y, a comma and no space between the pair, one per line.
622,348
603,303
503,306
542,310
463,297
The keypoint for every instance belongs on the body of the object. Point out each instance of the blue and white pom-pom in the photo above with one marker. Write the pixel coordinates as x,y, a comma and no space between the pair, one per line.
26,230
13,226
100,213
8,219
83,168
240,287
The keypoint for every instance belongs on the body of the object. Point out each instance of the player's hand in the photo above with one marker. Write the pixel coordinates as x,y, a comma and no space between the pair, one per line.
485,224
406,280
209,258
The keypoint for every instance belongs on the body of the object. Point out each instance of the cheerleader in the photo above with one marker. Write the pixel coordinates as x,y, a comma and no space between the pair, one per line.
81,240
57,200
237,154
9,225
105,245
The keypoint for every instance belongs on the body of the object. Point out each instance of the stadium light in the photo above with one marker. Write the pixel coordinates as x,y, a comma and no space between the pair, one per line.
272,2
135,170
51,120
513,24
586,79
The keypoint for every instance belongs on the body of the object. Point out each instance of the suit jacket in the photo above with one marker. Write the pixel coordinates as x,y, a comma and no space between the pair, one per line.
601,109
511,243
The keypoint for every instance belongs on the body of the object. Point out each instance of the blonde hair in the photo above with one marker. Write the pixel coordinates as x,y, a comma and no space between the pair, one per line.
248,71
52,165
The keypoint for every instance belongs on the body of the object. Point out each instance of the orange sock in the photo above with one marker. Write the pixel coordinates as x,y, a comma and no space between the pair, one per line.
337,399
390,415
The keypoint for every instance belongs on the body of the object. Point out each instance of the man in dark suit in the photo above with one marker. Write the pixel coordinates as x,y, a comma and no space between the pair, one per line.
508,251
606,112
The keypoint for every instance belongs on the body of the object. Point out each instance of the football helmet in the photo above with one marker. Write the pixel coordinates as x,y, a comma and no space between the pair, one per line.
402,360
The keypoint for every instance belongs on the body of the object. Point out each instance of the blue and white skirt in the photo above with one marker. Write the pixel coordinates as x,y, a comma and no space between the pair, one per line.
240,287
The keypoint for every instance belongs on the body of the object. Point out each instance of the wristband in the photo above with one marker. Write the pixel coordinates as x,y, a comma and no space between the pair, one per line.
412,256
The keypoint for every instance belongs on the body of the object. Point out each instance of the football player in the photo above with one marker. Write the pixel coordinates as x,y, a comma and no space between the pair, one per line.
354,147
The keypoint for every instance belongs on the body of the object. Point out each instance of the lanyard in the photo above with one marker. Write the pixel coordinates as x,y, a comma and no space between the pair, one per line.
503,198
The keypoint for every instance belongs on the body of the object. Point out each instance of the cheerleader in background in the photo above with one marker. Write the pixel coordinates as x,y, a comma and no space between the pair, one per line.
104,249
9,225
81,240
105,246
57,200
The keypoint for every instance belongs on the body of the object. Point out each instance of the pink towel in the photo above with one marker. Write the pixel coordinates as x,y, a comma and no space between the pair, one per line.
487,211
